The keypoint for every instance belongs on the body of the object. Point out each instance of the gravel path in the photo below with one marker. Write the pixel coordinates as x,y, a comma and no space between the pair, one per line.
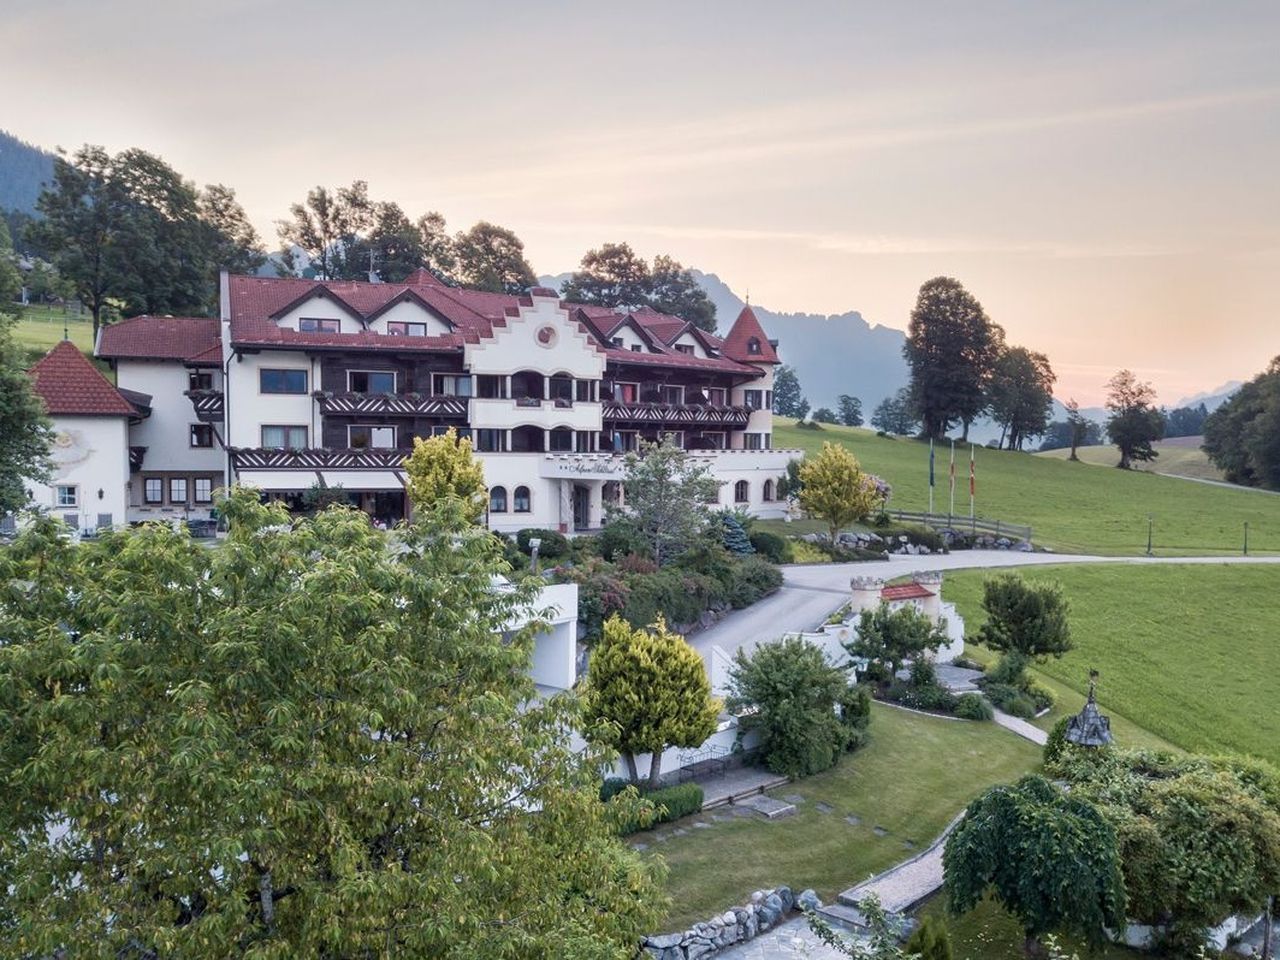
1023,729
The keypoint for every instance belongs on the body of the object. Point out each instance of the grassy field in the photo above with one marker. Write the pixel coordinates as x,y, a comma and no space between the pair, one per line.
910,780
1073,507
1178,457
40,328
1188,653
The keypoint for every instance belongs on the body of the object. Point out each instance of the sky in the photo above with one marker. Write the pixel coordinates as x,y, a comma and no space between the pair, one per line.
1104,177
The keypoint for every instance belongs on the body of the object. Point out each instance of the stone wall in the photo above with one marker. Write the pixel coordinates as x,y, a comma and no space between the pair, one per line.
765,910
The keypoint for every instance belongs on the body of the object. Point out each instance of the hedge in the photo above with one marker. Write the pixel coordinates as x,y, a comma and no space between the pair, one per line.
554,544
670,803
772,546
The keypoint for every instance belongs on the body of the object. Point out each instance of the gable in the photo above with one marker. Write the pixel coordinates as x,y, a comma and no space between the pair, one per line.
409,310
540,337
689,340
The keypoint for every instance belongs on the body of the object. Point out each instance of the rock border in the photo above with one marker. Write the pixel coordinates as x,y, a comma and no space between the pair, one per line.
763,911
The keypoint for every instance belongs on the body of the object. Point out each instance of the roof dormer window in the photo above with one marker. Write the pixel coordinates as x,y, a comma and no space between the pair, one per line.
685,348
399,328
616,341
753,345
317,325
636,348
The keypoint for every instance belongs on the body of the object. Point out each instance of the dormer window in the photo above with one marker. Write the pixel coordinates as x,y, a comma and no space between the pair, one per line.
398,328
636,348
685,348
616,341
753,345
317,325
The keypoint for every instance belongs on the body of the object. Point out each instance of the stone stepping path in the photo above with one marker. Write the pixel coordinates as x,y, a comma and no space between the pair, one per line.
771,808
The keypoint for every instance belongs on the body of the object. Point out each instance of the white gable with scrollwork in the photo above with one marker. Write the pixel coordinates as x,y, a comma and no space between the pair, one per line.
542,338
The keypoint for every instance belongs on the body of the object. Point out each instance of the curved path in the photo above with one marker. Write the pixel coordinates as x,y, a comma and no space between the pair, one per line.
811,592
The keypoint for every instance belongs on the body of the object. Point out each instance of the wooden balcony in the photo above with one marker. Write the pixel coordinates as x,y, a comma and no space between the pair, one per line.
678,414
258,458
208,404
391,404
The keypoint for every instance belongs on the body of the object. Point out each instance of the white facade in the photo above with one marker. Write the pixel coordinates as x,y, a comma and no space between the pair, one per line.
88,487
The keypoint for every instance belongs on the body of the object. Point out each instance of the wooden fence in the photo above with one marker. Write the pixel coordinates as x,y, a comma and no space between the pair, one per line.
973,525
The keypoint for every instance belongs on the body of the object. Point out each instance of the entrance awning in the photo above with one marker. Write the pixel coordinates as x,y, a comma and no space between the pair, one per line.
362,479
277,479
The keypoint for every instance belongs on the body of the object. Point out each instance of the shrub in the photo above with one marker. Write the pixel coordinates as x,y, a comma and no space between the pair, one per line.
669,803
554,544
934,699
802,551
968,663
923,673
972,706
854,706
916,536
751,579
611,787
635,563
930,941
1057,742
620,538
1011,700
601,593
665,593
773,547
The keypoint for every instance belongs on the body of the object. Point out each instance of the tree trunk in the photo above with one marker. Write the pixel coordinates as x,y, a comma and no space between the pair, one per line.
1124,460
1032,947
965,436
630,759
1074,444
655,770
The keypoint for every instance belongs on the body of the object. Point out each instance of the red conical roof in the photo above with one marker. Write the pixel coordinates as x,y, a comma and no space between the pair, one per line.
746,341
422,277
70,385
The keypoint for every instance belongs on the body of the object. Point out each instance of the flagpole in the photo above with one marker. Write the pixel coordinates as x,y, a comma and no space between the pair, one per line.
973,481
951,482
931,475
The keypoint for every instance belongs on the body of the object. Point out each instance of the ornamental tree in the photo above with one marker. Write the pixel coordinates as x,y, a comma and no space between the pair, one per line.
443,468
892,637
647,690
300,744
667,497
803,706
1025,621
836,490
1049,858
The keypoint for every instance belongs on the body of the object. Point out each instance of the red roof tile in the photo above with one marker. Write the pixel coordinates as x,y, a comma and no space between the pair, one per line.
907,591
163,338
69,384
739,342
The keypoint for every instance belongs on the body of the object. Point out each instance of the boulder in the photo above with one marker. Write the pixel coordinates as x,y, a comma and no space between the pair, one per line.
808,900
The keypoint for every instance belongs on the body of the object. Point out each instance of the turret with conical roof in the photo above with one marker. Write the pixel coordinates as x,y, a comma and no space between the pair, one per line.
746,341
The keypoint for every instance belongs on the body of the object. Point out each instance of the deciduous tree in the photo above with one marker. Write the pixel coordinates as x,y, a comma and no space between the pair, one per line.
1242,437
329,228
667,497
647,690
25,431
896,414
850,410
1135,423
892,637
836,490
301,744
1025,621
673,289
234,244
1021,394
824,415
951,348
788,398
802,705
491,258
612,276
443,468
1048,857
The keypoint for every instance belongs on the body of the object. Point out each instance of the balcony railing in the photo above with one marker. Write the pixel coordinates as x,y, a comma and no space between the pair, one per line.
676,413
394,404
258,458
136,456
208,405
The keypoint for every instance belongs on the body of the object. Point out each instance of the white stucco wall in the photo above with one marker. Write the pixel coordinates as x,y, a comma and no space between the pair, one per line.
689,340
409,311
250,409
92,454
515,346
321,308
167,432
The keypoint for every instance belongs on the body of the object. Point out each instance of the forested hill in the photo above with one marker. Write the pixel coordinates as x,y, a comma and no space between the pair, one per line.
23,169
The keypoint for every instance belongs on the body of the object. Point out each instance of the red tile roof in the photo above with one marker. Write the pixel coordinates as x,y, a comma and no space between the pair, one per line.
907,591
256,302
738,343
69,384
196,339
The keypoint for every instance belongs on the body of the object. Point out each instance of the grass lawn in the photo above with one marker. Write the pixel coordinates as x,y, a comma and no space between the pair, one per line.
989,933
911,779
1188,653
1073,507
1179,456
39,329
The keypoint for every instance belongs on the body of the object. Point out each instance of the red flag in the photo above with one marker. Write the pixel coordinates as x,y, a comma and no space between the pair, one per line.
973,476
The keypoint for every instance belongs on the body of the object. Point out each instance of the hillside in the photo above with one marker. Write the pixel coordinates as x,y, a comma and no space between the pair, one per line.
1073,507
23,169
1178,457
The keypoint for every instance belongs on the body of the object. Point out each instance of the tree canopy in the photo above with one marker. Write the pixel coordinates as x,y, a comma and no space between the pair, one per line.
1021,394
951,348
892,637
25,432
443,468
836,490
647,690
1048,857
896,414
667,497
1028,618
614,275
1135,423
1242,437
299,744
788,398
850,409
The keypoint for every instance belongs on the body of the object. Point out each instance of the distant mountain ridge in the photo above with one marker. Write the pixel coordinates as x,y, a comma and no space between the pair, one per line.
1212,399
24,169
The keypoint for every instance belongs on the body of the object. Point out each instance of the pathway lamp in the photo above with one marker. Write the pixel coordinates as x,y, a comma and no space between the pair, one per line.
534,544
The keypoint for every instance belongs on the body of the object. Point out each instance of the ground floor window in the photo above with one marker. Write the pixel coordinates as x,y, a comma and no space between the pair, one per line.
757,441
204,489
520,500
741,492
767,493
153,490
177,489
66,496
498,500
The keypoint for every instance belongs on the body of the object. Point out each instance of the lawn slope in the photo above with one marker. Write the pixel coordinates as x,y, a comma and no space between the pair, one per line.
1177,457
1188,652
39,329
1073,507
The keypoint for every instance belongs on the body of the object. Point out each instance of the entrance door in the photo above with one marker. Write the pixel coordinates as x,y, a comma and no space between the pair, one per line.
581,507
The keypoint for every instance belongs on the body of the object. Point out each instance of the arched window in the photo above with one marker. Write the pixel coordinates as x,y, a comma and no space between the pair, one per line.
520,500
767,494
498,500
741,492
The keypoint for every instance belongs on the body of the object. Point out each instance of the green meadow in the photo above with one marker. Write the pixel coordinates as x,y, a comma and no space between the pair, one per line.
1072,507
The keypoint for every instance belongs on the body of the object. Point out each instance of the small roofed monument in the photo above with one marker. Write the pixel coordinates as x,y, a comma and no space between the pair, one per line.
1089,728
